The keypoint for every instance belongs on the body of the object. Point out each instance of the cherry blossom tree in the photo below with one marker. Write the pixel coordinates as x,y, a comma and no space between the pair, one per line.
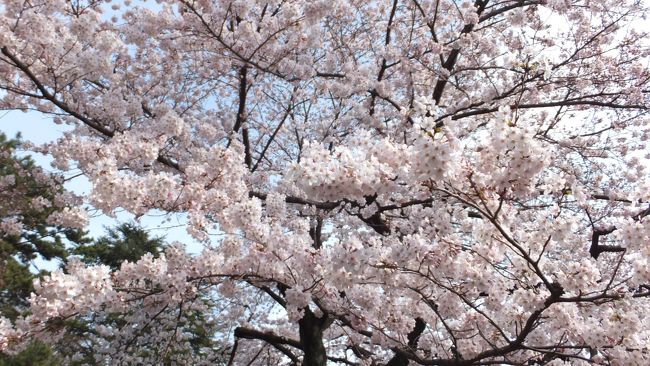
389,182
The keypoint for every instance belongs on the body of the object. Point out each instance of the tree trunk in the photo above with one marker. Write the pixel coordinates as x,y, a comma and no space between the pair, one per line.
311,338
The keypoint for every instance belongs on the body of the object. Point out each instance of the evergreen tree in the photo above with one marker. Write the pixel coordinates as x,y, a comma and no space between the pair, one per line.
126,242
28,197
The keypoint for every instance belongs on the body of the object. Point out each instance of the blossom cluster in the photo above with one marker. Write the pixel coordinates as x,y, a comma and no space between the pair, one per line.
378,182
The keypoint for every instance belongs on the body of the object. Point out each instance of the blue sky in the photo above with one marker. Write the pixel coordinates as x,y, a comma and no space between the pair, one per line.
39,129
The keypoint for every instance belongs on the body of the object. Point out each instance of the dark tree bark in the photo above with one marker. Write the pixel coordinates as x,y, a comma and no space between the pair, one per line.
311,339
400,359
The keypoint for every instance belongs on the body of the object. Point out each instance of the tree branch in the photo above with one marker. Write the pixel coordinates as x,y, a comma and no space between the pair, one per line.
269,337
400,358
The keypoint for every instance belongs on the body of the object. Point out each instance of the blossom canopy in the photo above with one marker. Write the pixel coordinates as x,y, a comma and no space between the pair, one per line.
390,182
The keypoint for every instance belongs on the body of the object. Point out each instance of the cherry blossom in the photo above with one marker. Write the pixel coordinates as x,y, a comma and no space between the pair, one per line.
430,182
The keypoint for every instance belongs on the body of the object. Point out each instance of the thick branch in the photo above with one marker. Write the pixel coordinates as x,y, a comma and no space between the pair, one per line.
315,232
51,97
241,115
269,337
400,358
384,64
518,4
596,249
453,56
